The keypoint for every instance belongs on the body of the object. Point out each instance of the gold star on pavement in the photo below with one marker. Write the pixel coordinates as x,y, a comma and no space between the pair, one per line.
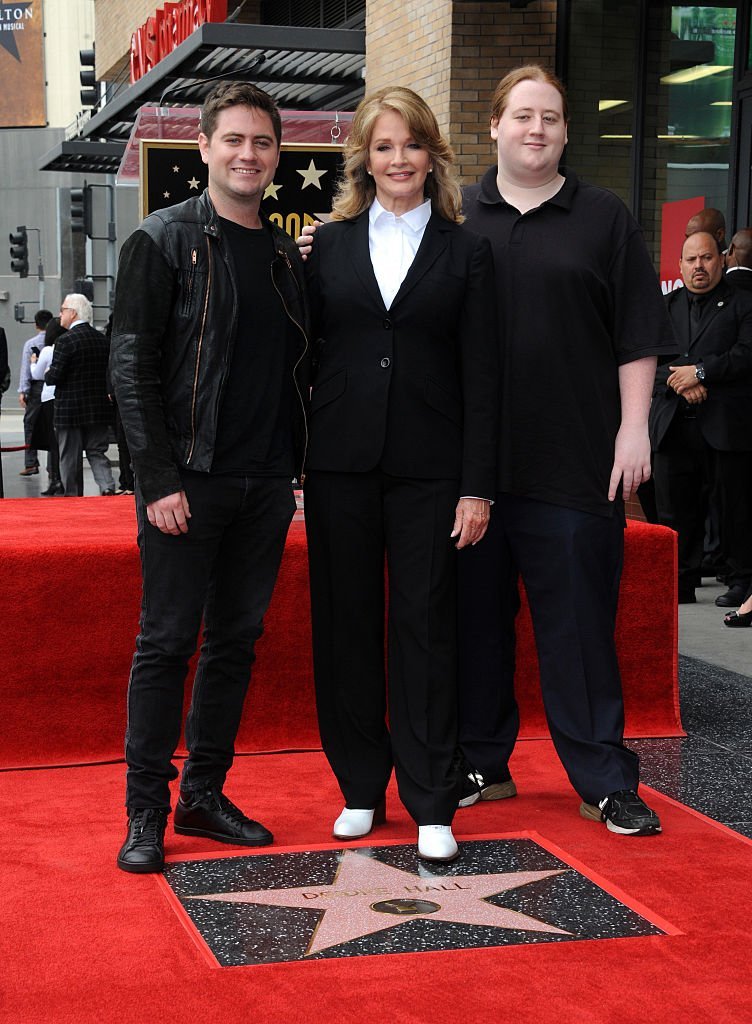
272,190
368,896
311,176
193,183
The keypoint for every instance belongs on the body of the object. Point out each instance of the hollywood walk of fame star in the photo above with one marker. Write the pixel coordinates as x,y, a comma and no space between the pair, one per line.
362,883
272,190
193,183
311,176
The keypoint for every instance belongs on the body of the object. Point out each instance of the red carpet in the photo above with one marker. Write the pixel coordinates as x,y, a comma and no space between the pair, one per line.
86,944
70,619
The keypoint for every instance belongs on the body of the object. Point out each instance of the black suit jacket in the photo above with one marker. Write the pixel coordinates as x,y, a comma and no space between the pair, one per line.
79,372
739,279
724,347
413,389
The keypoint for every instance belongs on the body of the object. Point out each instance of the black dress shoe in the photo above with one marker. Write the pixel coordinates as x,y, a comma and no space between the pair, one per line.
733,597
53,490
210,814
143,850
738,620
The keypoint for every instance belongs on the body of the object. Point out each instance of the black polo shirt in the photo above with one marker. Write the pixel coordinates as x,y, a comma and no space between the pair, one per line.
578,297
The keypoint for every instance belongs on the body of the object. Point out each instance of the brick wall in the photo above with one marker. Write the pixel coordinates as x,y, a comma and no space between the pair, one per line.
488,40
408,42
116,20
453,54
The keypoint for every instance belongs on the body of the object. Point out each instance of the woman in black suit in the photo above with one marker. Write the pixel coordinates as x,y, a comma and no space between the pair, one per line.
401,462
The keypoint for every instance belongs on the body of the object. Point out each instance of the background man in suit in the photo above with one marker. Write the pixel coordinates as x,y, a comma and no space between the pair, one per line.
700,426
83,411
739,260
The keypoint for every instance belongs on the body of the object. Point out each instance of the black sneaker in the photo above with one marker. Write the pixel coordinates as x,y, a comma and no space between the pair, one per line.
210,814
624,813
475,788
143,850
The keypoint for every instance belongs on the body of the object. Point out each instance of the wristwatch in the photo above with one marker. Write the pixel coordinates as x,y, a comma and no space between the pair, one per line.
700,373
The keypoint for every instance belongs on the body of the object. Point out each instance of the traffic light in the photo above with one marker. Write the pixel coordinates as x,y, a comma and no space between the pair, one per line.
89,92
80,210
19,251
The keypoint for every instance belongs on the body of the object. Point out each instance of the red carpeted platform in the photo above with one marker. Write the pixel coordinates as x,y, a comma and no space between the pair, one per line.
70,615
85,944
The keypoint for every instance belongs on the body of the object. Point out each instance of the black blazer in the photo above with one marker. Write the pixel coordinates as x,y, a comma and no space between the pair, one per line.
413,389
79,372
724,346
739,279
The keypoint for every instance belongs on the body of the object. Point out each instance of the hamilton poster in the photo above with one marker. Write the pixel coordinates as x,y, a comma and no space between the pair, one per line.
22,65
301,192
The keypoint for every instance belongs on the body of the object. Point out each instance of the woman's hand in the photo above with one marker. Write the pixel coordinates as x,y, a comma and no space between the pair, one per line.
304,241
471,520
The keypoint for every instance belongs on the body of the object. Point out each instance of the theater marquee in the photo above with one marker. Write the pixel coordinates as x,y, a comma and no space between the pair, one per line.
21,65
302,190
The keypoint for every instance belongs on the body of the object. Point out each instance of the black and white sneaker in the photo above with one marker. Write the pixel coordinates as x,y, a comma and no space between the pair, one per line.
475,788
623,813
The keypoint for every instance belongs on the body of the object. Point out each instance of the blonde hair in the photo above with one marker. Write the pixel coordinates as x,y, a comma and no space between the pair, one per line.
356,190
527,73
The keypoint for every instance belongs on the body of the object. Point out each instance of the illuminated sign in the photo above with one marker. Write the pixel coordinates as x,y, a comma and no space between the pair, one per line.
168,27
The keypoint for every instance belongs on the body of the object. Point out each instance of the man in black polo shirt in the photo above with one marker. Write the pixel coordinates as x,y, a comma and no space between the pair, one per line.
209,356
583,326
700,422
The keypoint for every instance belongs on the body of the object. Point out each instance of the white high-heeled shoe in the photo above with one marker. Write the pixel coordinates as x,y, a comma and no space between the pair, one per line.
436,842
354,823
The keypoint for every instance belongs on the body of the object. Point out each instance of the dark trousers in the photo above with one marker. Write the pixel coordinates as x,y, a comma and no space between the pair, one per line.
688,473
223,568
353,520
31,412
570,562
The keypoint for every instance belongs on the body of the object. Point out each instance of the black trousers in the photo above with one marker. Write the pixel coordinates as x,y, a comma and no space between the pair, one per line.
223,569
688,474
353,520
570,562
31,412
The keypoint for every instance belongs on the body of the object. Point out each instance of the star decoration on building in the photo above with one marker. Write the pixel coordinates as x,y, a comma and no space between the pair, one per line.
175,169
311,176
193,183
165,195
368,896
272,190
8,37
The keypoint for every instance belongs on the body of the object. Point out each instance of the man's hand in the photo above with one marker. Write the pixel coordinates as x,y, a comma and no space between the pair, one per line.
304,241
22,399
631,461
696,394
682,378
170,514
470,520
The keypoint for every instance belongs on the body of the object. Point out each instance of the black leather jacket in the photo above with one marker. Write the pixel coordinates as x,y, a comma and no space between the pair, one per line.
174,328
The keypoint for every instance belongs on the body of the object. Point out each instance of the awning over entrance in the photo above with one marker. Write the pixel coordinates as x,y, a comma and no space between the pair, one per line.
302,68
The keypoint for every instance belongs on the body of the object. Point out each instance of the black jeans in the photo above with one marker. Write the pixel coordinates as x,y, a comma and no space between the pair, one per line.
224,569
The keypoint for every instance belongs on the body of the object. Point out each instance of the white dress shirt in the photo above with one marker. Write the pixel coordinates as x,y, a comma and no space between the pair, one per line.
393,243
40,367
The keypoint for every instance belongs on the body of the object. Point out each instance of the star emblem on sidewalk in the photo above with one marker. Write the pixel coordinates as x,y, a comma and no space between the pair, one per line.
369,896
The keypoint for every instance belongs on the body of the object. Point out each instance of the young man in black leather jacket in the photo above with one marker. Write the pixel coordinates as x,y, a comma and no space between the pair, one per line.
209,368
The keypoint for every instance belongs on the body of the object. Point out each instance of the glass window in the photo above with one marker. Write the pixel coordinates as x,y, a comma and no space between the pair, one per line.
601,86
688,121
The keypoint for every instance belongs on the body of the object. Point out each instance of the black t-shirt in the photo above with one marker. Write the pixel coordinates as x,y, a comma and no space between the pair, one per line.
255,424
578,297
